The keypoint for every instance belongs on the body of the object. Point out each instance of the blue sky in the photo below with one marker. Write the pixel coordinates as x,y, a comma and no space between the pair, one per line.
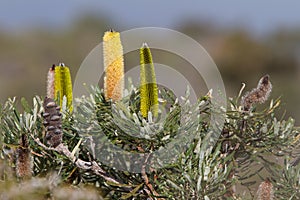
256,15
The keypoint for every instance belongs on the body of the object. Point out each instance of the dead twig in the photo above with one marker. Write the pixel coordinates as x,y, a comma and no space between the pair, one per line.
93,165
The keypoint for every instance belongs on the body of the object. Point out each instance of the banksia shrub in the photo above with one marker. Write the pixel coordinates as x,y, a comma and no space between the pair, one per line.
113,66
120,154
148,86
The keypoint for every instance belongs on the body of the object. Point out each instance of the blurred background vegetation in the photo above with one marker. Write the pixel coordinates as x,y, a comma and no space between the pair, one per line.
241,52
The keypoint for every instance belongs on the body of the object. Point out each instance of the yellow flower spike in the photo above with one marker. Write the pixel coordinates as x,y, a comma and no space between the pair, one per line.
113,65
148,86
63,85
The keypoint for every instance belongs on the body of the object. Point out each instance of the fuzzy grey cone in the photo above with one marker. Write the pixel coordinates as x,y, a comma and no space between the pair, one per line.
265,191
257,95
23,159
52,122
51,82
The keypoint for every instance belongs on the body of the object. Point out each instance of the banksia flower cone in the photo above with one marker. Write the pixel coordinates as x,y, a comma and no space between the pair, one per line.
52,122
113,65
23,159
265,191
260,94
63,85
148,86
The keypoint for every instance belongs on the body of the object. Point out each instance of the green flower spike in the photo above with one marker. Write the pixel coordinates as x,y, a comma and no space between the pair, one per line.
148,86
63,85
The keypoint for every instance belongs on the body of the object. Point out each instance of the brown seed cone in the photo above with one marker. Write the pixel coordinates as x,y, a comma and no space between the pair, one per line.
23,159
52,122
